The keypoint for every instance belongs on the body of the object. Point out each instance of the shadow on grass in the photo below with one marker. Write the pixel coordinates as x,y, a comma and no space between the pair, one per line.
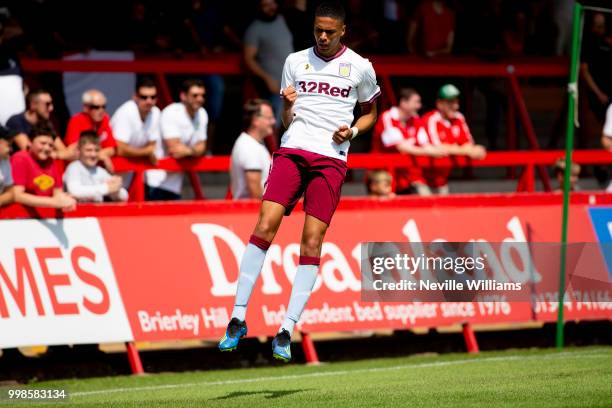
267,394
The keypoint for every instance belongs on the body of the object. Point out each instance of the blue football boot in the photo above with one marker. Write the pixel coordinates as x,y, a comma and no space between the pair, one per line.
236,329
281,346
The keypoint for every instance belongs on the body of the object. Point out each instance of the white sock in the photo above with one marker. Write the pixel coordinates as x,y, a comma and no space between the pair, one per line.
303,283
250,268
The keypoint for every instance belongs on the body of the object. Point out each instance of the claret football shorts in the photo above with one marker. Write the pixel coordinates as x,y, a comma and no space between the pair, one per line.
297,172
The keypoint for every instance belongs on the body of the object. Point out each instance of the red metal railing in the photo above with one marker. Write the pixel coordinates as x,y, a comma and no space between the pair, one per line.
530,160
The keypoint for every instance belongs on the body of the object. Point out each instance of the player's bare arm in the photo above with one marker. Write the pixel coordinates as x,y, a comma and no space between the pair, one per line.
289,96
363,124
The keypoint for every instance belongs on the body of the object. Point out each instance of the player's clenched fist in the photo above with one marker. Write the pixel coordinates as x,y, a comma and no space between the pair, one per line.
289,95
342,134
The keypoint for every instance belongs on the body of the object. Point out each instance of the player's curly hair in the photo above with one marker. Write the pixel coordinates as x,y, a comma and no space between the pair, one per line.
332,9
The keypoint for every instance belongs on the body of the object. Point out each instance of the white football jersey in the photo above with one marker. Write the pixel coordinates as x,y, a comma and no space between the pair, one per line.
328,89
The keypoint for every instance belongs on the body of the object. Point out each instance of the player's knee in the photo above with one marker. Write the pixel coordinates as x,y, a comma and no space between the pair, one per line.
311,245
266,228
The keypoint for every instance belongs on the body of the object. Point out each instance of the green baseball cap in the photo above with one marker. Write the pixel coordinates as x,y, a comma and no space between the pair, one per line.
448,91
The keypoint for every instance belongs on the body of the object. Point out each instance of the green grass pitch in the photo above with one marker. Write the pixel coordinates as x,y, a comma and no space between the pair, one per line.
575,377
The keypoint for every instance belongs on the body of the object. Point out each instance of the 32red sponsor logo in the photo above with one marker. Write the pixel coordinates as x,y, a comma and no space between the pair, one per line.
323,88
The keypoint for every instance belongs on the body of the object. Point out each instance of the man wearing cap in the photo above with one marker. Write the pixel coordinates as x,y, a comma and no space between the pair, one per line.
400,130
446,127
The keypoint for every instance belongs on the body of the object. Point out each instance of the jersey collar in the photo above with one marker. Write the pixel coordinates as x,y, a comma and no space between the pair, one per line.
327,59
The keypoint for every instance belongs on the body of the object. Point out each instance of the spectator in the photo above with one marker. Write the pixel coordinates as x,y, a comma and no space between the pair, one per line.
299,21
393,27
363,35
399,130
563,16
6,178
39,106
559,173
446,127
93,117
209,32
431,31
379,184
541,28
606,137
36,177
141,28
596,66
250,158
136,124
11,82
85,180
515,33
486,41
207,27
184,132
267,42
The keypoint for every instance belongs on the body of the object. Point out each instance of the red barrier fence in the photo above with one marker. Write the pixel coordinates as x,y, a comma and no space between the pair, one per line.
528,159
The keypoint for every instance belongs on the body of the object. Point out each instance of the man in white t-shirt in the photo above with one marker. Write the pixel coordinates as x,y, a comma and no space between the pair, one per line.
606,137
184,128
136,125
319,87
250,158
88,182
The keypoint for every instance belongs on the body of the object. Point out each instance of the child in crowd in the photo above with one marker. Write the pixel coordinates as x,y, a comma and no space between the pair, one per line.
380,184
85,180
559,172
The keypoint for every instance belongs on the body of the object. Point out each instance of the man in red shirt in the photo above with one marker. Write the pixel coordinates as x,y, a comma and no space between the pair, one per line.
400,130
93,117
432,29
36,178
446,127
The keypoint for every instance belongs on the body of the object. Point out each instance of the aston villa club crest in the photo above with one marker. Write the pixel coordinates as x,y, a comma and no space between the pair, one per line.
345,69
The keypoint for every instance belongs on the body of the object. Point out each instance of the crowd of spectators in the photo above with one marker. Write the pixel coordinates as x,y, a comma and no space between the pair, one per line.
31,176
426,27
30,147
438,133
264,31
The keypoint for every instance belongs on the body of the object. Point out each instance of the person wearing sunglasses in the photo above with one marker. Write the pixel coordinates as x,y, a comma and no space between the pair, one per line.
136,124
93,117
184,128
39,106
